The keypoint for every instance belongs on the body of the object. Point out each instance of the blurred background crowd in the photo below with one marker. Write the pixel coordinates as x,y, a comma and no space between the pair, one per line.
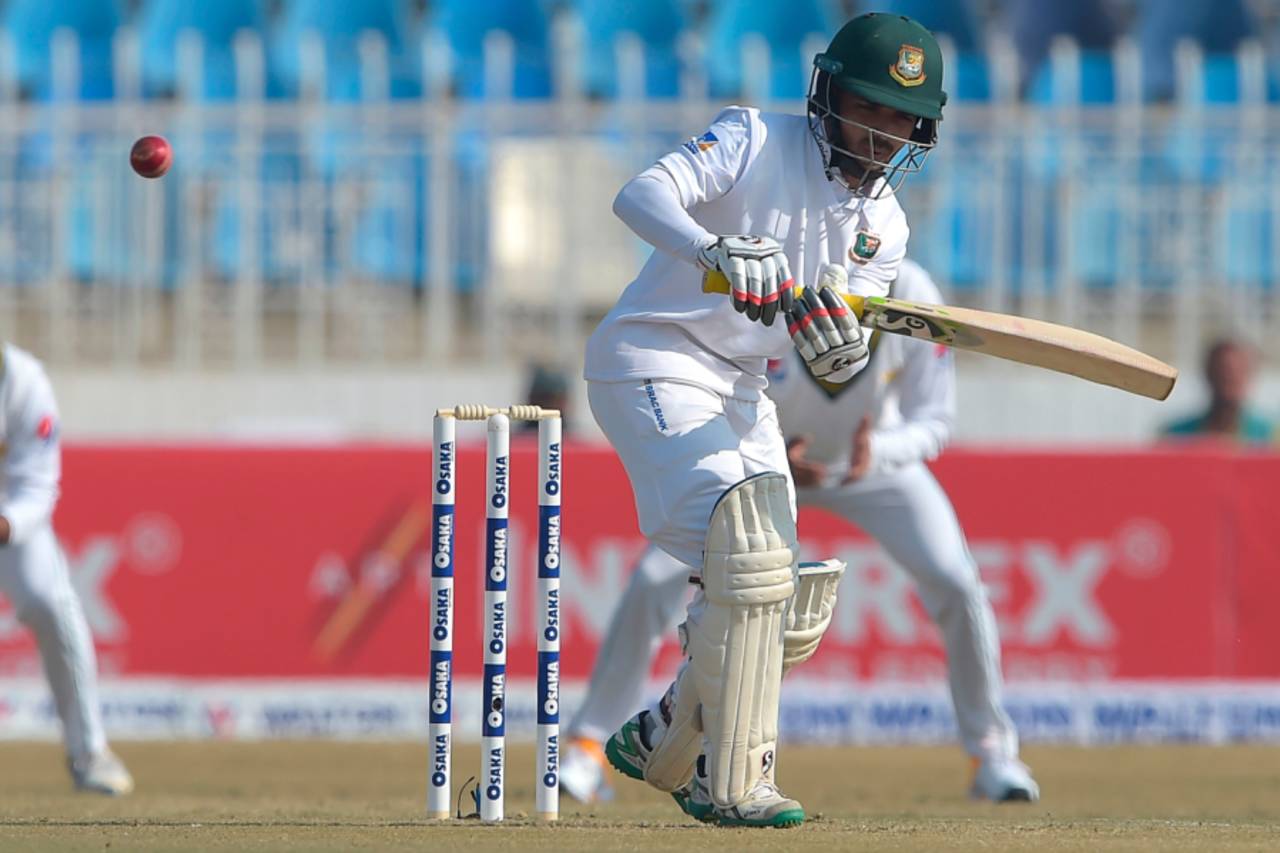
389,200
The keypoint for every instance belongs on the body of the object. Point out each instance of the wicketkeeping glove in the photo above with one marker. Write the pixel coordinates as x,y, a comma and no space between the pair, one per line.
760,282
827,334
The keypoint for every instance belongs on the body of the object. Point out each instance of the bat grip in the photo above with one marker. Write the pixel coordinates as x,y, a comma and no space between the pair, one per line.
714,281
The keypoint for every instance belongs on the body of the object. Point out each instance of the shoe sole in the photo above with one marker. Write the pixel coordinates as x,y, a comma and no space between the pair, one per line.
782,820
699,812
1013,795
104,791
613,752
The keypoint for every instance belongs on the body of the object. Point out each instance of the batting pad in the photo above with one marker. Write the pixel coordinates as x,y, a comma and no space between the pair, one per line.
735,641
810,611
670,765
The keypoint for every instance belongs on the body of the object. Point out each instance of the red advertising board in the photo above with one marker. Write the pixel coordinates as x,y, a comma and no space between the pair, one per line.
283,562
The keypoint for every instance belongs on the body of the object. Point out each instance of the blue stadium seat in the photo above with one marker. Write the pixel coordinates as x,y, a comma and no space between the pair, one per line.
1221,78
466,23
1244,236
386,240
163,22
969,78
658,24
32,24
339,26
279,226
1218,25
1097,83
784,24
1034,24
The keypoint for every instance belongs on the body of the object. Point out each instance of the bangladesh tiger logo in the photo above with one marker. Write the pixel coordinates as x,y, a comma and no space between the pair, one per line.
864,247
909,70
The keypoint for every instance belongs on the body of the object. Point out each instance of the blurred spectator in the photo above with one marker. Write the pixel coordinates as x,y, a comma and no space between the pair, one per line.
1229,368
548,388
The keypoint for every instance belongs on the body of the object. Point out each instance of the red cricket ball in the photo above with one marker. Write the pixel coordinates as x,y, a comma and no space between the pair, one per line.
151,156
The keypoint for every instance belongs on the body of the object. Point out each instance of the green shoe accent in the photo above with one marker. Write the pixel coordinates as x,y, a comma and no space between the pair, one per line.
788,817
621,754
704,812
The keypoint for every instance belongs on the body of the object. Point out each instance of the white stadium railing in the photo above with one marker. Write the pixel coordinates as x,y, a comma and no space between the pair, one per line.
311,232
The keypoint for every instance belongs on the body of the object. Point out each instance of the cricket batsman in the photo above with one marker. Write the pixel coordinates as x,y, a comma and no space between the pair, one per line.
33,569
676,381
856,450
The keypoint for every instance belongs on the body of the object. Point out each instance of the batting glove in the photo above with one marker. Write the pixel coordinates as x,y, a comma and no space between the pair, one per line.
760,282
827,334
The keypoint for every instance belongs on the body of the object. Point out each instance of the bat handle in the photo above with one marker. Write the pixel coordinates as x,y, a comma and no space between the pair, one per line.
714,281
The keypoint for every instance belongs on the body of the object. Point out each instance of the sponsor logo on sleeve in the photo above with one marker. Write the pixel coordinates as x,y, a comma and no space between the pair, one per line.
47,429
701,144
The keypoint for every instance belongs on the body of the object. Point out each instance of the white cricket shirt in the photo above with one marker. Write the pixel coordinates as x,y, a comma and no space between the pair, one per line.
31,462
751,173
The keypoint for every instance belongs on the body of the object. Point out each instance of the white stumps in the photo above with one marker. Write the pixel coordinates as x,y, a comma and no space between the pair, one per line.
498,561
441,619
549,491
493,739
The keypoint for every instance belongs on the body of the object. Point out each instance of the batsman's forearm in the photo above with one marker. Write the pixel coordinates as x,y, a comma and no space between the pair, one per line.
649,204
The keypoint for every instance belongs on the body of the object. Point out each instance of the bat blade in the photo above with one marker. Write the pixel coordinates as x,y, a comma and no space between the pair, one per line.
1021,339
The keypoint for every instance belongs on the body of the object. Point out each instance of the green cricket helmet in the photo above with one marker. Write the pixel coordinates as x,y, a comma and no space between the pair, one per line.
888,60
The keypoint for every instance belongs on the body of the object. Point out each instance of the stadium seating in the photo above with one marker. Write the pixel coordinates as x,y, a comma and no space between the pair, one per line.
785,25
371,178
657,23
31,24
162,25
1033,27
340,26
467,24
1217,25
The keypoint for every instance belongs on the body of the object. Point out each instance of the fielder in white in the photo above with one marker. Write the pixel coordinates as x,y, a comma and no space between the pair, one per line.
857,450
677,377
33,570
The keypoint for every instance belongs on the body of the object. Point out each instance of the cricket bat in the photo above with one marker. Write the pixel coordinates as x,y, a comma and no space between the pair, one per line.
1021,339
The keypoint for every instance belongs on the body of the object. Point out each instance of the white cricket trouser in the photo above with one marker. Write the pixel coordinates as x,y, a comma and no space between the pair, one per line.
908,513
34,576
683,446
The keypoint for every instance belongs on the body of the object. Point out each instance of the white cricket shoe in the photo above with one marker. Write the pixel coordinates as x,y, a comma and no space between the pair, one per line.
582,771
629,748
764,805
103,773
1004,781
